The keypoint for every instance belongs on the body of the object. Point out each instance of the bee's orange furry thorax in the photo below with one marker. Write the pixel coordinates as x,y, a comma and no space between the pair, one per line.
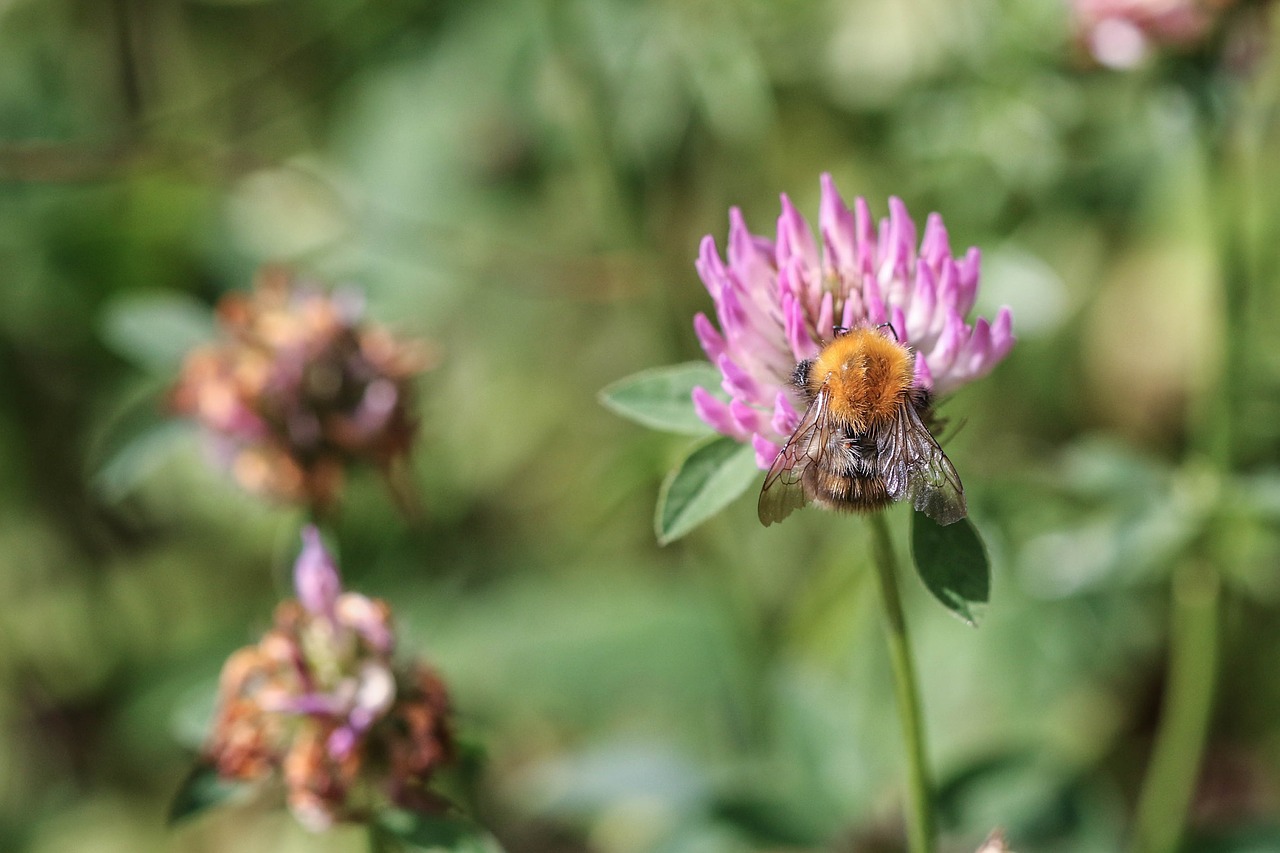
868,375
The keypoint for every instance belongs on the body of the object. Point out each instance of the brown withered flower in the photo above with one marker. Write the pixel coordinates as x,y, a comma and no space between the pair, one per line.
298,387
320,702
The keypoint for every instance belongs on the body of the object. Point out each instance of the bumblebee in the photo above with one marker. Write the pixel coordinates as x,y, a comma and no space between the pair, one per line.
863,442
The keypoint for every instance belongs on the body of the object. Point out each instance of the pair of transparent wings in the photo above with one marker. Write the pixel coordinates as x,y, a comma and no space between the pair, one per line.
909,461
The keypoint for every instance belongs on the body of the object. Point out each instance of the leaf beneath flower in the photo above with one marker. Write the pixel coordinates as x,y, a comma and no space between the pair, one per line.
952,562
202,788
708,479
662,398
155,331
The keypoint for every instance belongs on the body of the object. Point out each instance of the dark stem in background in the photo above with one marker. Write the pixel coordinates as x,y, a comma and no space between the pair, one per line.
398,475
920,823
126,23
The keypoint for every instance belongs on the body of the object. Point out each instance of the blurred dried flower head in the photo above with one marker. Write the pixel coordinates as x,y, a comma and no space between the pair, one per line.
1121,34
320,702
299,387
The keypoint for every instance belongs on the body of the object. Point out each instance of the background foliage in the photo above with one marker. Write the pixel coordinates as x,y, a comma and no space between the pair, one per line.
525,184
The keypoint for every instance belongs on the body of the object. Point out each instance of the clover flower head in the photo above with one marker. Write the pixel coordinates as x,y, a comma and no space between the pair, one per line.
777,301
320,701
298,387
1121,34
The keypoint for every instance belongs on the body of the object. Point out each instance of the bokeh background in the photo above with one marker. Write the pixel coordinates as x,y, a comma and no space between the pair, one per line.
525,184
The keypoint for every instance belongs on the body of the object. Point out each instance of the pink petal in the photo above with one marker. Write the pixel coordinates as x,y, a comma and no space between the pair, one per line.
798,338
902,236
865,229
977,351
746,252
368,619
923,302
875,308
923,377
899,325
710,267
936,244
748,418
785,416
315,574
766,451
953,336
852,311
838,228
826,317
1002,338
713,343
714,412
794,238
968,270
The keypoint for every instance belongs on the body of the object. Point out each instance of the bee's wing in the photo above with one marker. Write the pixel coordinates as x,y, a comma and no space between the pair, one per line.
914,466
783,491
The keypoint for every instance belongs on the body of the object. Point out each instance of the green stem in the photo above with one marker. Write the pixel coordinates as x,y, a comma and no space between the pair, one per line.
1188,703
920,824
1231,166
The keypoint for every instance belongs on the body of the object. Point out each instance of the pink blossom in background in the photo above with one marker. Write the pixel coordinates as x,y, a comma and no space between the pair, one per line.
1121,34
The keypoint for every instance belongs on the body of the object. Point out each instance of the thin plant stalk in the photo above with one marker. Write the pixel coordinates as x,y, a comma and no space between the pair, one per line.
920,821
1188,705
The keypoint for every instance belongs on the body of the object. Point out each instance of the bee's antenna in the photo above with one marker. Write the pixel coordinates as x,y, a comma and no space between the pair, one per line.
890,327
837,331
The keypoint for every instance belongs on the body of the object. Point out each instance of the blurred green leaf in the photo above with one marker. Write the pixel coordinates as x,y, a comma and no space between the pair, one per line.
767,822
155,331
578,786
200,789
704,483
435,832
1258,492
137,459
952,562
1264,838
1103,468
1041,803
661,398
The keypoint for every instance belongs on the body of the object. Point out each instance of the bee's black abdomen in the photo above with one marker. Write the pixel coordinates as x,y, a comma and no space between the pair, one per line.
847,477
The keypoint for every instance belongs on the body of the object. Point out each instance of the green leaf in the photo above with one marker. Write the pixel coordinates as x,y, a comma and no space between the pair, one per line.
436,832
767,822
155,331
125,471
200,789
708,479
1260,838
1041,802
952,562
661,398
